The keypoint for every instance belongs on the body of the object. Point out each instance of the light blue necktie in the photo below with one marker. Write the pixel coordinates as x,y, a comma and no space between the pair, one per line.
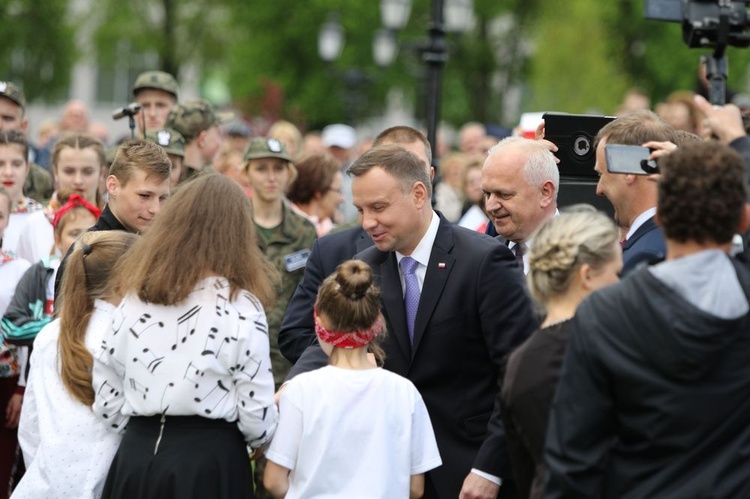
411,293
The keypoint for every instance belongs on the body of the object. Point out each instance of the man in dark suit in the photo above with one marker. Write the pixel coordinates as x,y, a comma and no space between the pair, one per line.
472,310
633,196
298,328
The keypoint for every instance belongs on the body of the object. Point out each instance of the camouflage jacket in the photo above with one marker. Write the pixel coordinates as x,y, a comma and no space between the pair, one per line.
288,249
39,184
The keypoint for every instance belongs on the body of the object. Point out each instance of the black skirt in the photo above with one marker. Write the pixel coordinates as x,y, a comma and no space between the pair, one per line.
194,458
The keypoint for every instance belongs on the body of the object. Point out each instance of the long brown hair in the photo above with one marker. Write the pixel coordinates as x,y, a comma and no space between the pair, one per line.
350,302
205,229
87,277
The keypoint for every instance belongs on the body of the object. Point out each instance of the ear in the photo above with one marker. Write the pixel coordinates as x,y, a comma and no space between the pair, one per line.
24,125
432,173
201,138
745,220
548,193
630,179
585,275
419,194
112,185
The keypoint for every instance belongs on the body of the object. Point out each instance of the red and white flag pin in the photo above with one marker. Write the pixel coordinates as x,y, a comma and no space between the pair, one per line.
441,265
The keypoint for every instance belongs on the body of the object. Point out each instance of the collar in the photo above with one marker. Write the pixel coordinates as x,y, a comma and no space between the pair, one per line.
640,220
423,250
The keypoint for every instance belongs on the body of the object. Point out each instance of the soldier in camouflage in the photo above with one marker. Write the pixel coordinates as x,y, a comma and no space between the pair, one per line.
284,237
39,183
198,123
157,92
174,144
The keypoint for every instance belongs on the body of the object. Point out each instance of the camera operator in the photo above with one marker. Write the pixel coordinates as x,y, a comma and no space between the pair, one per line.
633,196
654,396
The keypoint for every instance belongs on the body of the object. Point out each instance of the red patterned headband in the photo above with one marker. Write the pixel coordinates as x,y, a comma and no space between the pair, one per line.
75,201
352,339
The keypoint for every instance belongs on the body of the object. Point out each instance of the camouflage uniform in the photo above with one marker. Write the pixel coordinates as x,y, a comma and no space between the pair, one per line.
157,80
39,185
288,249
190,119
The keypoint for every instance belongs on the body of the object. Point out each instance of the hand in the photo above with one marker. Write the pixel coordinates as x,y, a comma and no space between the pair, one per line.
724,121
477,487
539,135
660,149
13,411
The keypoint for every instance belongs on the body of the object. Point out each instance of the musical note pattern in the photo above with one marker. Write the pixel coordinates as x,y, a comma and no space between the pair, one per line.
207,356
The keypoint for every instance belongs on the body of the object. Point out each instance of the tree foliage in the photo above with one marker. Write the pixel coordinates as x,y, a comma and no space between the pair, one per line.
38,46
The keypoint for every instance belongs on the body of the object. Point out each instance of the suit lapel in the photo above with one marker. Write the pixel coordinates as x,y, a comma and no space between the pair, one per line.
438,269
641,231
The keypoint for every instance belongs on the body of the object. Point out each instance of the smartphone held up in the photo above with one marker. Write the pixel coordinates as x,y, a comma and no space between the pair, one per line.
631,160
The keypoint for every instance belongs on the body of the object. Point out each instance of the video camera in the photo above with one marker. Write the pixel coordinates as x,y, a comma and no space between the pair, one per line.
705,23
708,24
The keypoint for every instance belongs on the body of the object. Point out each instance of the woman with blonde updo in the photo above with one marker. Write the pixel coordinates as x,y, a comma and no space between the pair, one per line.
571,256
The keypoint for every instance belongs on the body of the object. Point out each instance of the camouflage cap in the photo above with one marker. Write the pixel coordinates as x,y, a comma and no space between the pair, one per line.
13,92
158,80
171,140
192,117
262,147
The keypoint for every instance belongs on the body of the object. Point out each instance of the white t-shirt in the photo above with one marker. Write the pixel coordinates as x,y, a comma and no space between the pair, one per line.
347,433
67,451
37,238
19,218
206,356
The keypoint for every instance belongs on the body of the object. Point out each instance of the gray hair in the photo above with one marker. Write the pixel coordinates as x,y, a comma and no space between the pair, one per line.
540,164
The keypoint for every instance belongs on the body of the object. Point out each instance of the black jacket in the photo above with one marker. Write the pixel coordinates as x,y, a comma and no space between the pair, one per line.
653,400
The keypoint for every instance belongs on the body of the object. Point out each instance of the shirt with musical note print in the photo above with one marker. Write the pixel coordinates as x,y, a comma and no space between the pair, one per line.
207,356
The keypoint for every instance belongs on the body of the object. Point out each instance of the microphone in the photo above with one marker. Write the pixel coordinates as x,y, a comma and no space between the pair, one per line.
129,110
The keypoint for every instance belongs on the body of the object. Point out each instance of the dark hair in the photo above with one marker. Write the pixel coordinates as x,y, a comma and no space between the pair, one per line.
87,278
14,137
210,219
4,192
315,175
702,192
350,301
142,155
636,129
396,161
403,135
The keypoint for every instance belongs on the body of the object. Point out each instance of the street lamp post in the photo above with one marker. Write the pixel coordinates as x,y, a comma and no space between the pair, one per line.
448,15
435,56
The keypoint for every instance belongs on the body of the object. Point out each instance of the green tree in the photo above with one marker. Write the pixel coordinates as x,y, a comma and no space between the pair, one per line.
38,46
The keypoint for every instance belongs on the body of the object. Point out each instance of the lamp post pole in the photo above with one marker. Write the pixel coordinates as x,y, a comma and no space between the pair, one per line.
435,56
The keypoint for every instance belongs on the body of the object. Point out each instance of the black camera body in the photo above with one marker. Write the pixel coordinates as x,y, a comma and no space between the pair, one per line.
705,23
574,135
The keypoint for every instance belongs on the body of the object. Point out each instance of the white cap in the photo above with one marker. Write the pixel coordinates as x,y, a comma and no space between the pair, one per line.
339,135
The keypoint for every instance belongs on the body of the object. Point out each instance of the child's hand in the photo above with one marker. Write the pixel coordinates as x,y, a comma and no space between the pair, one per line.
13,411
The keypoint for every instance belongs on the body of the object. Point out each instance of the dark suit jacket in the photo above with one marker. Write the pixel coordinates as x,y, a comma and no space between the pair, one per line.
473,311
298,328
646,245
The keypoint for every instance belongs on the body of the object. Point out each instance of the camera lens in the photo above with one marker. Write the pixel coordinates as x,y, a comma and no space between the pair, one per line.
581,145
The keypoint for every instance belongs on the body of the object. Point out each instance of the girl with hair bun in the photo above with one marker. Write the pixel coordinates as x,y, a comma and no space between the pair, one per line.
571,256
350,428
